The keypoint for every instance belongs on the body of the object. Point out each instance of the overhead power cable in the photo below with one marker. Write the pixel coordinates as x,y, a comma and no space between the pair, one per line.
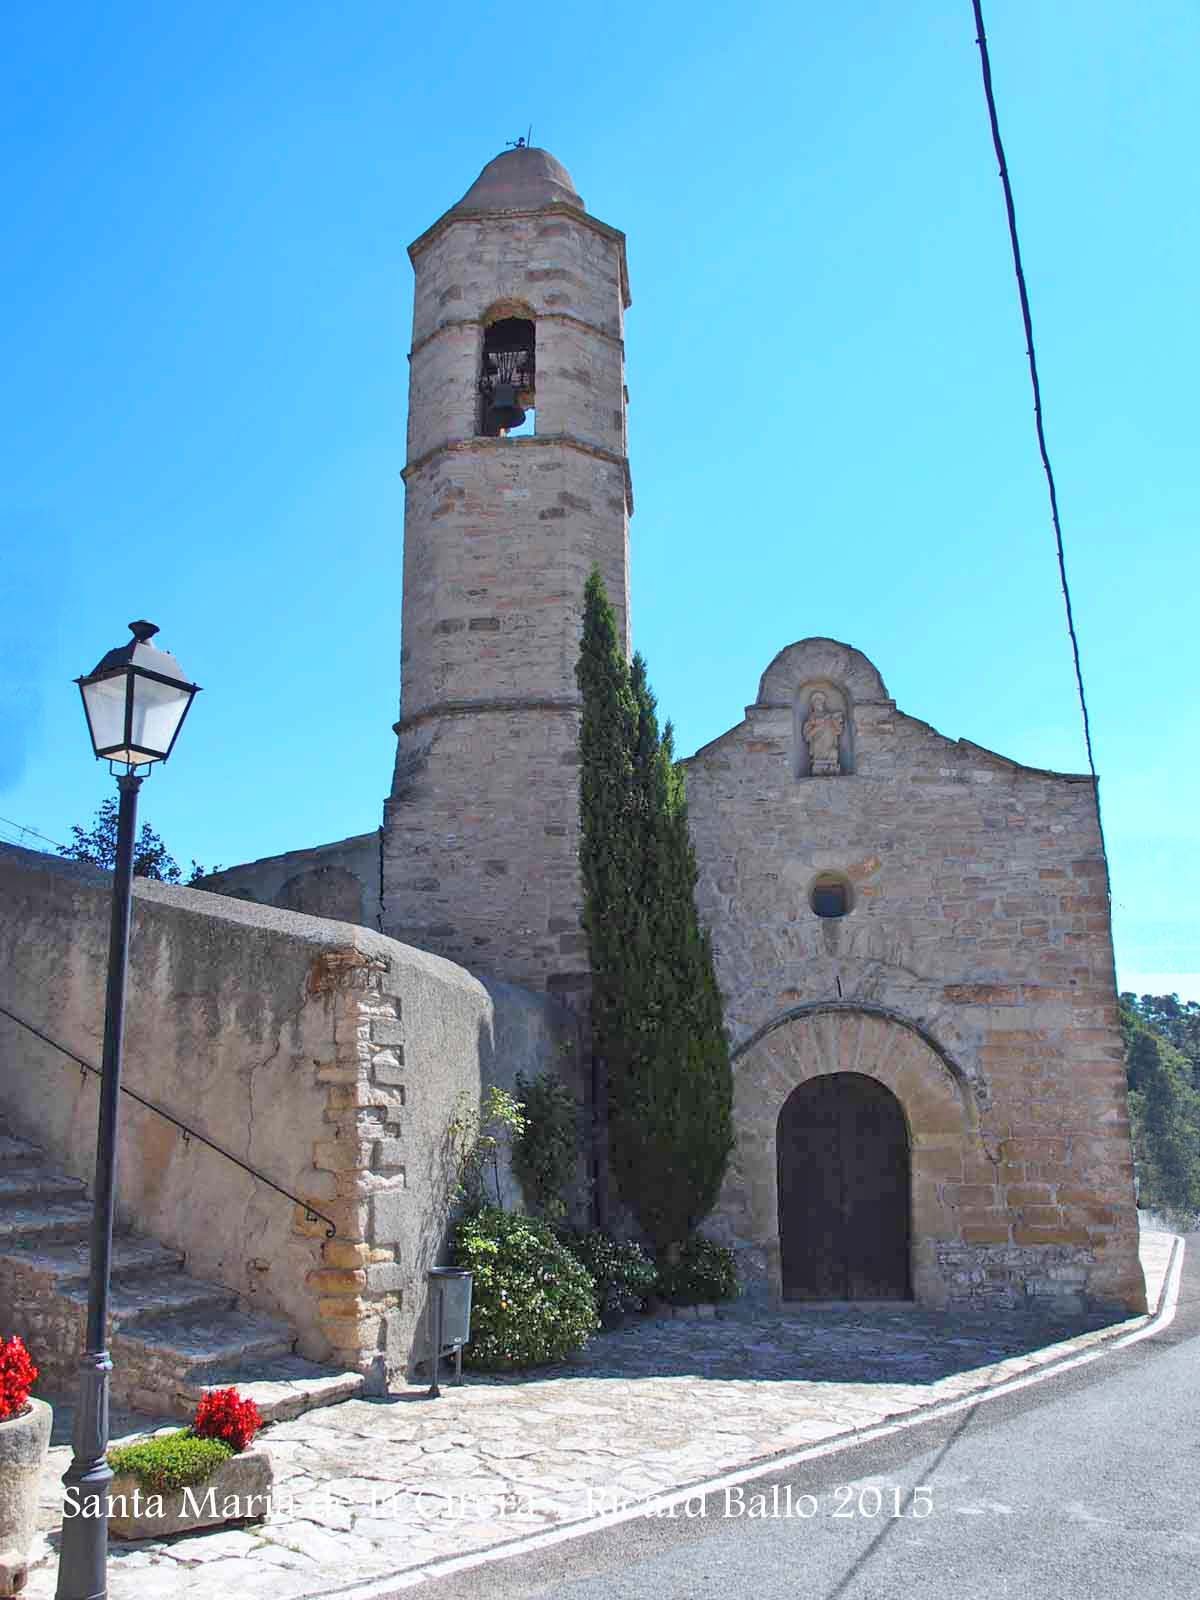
981,41
23,832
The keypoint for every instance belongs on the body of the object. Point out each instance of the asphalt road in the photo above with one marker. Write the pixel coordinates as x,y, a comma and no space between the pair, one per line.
1082,1487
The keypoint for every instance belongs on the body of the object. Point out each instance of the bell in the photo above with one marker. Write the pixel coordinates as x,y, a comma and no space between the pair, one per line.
505,411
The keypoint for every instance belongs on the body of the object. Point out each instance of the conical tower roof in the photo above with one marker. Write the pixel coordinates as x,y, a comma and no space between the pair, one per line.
523,179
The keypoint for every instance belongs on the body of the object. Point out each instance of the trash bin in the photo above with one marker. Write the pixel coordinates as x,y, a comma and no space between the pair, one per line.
449,1320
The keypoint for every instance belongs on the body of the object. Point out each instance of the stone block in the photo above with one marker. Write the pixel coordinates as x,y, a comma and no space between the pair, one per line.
239,1491
342,1155
388,1154
338,1308
386,1276
337,1280
985,1232
347,1071
969,1194
391,1213
344,1253
1027,1234
345,1215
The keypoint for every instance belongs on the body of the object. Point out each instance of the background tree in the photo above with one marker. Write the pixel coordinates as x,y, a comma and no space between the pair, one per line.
1164,1109
1175,1020
151,858
659,1024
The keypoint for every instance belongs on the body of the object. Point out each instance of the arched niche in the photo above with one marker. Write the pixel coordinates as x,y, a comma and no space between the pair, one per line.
324,892
823,743
808,659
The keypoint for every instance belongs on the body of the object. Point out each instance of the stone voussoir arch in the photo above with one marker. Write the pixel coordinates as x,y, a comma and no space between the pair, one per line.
866,1008
950,1165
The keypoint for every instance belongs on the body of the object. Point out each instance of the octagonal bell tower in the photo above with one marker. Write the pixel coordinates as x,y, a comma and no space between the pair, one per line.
517,484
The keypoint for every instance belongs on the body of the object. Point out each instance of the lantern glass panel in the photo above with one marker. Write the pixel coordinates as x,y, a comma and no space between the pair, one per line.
158,709
104,700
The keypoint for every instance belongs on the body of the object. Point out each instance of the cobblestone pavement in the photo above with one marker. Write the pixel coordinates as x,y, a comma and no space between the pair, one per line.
371,1487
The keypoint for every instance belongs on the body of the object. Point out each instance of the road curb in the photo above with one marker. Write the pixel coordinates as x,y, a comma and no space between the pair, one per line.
1059,1358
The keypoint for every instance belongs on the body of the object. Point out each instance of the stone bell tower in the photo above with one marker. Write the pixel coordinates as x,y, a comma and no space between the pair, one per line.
517,484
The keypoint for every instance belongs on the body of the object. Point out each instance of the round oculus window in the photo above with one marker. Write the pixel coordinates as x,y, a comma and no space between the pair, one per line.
830,895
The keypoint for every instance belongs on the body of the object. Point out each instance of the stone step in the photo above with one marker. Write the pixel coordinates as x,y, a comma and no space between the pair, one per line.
14,1151
133,1256
28,1181
281,1388
160,1294
172,1337
223,1339
54,1220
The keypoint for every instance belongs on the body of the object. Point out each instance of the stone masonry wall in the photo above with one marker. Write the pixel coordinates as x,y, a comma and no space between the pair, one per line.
339,880
326,1056
564,270
481,828
979,917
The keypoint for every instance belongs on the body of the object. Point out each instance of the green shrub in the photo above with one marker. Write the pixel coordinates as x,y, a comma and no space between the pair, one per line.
545,1153
622,1272
532,1302
703,1272
171,1461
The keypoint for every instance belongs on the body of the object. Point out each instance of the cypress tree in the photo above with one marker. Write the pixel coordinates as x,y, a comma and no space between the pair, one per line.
671,1122
606,737
659,1023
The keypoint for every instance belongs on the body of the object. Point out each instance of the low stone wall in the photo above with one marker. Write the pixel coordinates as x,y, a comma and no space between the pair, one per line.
326,1056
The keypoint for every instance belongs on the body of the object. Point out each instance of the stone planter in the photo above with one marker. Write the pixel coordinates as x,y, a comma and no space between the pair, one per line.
238,1491
24,1443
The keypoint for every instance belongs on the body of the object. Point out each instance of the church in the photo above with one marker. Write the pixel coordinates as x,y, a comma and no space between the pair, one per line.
911,932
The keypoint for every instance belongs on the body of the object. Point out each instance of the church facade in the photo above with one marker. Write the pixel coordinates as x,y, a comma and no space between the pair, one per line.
912,933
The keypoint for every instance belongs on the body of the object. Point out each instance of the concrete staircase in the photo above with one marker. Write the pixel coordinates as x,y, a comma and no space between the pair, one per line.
171,1336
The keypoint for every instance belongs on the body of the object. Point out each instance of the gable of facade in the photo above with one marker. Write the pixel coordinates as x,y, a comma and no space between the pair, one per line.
966,966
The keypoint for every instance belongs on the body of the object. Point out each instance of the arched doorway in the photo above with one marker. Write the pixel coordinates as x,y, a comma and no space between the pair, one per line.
842,1151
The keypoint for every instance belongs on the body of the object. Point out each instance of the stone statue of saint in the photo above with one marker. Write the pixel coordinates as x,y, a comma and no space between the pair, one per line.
822,732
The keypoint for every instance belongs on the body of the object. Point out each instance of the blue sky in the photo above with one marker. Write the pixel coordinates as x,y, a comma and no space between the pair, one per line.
830,420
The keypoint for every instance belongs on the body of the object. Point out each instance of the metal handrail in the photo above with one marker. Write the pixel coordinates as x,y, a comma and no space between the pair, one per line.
311,1214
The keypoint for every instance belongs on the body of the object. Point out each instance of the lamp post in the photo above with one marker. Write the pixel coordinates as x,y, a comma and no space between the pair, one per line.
135,702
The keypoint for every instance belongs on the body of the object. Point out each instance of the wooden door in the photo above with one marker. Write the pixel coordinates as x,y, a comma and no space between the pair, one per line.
843,1164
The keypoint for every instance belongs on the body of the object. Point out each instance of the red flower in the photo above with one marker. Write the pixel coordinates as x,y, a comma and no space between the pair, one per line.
223,1414
17,1373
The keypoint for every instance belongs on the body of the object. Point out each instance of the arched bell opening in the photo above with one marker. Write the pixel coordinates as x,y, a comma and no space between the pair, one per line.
845,1191
507,378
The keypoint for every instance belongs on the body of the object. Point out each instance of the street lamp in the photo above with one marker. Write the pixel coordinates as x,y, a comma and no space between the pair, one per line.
135,702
